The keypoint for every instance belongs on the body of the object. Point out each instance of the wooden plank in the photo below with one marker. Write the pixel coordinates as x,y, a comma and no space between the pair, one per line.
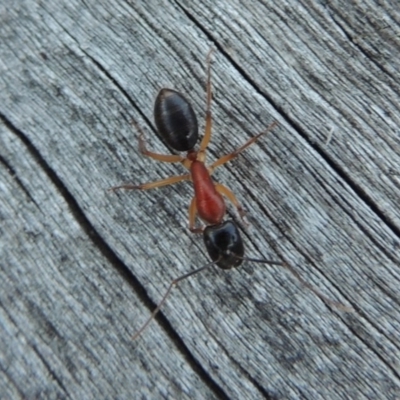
81,268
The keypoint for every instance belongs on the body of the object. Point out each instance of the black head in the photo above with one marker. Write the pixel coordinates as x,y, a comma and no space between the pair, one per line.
224,243
175,120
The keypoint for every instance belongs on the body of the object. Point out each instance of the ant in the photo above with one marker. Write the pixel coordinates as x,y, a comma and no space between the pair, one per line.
177,127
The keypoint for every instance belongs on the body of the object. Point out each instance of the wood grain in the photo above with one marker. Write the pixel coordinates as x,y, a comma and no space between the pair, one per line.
82,268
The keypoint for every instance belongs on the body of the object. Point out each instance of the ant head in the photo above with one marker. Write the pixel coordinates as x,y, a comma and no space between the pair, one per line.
225,247
224,244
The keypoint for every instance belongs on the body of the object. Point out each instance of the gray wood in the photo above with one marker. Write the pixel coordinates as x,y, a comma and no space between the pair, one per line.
81,268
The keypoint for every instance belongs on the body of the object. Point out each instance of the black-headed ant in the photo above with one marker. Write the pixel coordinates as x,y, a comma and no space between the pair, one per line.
177,126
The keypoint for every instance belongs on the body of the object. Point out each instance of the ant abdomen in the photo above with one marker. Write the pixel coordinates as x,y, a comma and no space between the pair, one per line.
175,120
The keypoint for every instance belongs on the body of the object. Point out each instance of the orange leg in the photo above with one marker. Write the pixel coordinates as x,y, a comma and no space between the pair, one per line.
192,217
228,157
169,158
221,189
207,131
153,185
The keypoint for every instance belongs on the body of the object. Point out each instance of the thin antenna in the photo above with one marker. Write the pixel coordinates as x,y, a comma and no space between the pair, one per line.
304,283
172,284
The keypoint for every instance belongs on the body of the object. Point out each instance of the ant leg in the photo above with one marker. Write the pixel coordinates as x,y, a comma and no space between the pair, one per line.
169,158
192,217
228,157
152,185
221,189
159,157
207,131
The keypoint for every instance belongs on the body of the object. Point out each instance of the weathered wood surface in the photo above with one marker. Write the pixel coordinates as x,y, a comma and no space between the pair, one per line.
81,268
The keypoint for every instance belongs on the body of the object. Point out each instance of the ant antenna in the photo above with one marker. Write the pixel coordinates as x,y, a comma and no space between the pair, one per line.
304,283
170,287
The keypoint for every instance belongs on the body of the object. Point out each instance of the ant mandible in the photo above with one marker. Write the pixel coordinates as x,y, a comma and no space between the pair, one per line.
177,127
